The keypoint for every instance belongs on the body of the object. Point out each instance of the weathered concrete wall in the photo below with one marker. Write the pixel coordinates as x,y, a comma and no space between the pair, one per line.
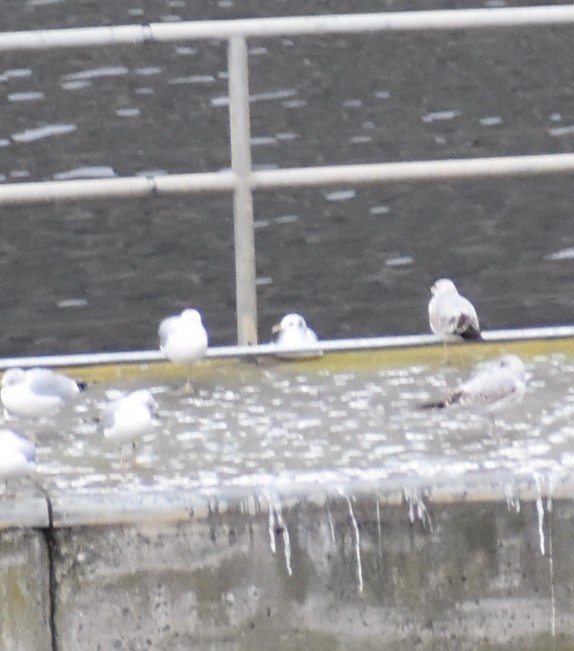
24,591
344,575
338,573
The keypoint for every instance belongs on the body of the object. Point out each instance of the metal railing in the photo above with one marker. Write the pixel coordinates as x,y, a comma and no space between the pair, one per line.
143,357
242,180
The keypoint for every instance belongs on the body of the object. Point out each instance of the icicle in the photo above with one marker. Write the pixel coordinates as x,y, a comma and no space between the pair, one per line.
379,526
551,563
330,520
276,522
540,510
357,544
271,528
286,540
415,501
411,505
512,499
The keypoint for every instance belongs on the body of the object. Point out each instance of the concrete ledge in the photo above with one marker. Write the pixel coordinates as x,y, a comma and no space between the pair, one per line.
24,511
478,561
126,507
447,567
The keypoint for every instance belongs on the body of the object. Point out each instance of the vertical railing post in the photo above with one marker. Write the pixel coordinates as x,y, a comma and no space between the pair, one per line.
240,137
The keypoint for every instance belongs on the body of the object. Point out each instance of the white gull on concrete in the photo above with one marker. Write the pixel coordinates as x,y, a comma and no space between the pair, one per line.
125,419
183,338
451,316
499,384
17,455
295,339
36,392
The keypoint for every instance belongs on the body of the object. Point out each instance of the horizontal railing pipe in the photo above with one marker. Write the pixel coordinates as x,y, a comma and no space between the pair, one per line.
174,184
288,26
416,171
361,23
391,342
168,184
133,186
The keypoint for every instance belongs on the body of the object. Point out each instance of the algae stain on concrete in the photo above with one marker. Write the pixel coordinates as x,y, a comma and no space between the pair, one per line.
14,603
23,591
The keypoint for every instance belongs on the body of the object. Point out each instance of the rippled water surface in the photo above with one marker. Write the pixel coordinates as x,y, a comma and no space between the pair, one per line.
280,426
356,261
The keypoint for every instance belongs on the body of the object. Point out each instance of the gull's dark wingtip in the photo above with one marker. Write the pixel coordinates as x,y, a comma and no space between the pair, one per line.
472,334
445,402
441,404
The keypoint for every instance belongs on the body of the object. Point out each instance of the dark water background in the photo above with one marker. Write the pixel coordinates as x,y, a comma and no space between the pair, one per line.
355,261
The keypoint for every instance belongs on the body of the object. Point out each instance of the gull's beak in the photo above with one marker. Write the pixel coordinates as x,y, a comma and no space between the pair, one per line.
276,328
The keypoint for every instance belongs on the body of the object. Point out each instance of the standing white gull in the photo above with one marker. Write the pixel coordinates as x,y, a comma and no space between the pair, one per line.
451,316
36,392
183,339
294,338
17,455
500,384
126,419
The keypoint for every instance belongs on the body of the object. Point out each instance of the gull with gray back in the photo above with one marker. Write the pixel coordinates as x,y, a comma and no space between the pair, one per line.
451,316
126,419
495,386
17,455
36,392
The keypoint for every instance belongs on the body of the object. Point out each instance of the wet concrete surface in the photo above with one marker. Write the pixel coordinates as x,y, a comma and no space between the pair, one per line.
319,423
355,261
301,505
